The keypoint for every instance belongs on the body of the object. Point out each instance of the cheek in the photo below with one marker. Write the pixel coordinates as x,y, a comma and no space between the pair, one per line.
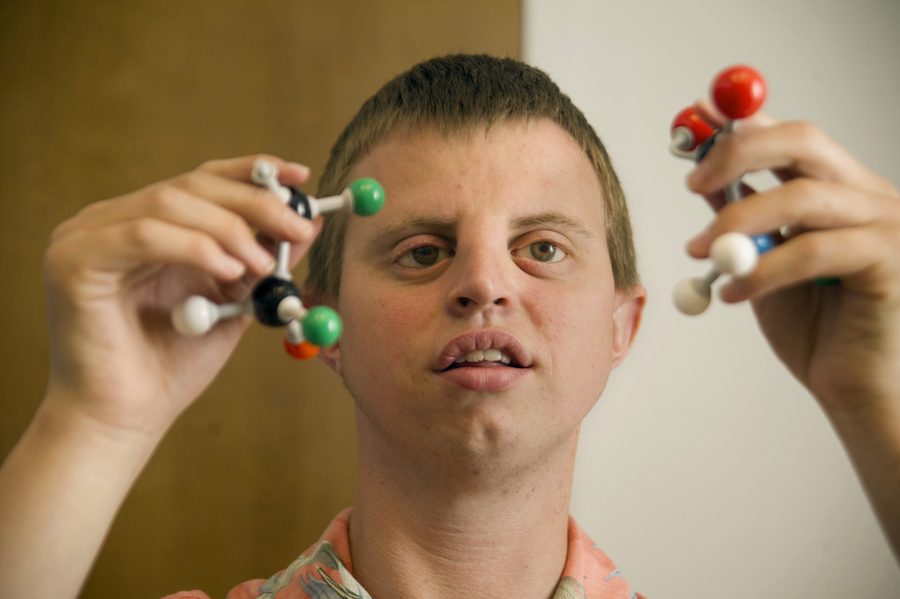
572,318
381,333
576,325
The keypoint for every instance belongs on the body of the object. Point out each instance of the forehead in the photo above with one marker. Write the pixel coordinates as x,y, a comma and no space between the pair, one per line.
519,166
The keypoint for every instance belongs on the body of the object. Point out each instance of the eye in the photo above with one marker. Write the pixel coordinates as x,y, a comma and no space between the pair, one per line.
423,256
542,251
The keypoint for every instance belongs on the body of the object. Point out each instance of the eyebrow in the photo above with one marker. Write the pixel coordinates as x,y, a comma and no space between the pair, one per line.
446,227
389,233
552,217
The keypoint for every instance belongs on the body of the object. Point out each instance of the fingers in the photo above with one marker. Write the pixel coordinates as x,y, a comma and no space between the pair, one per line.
790,150
239,169
208,202
709,113
298,249
798,205
256,205
823,254
841,219
716,200
120,247
838,231
174,206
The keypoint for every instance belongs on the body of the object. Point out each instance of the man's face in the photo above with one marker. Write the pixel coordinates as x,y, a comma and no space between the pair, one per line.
494,243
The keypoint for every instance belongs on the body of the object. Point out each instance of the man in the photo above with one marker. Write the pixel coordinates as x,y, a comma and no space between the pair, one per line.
484,309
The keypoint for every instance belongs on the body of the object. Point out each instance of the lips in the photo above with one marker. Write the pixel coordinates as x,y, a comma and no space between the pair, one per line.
456,365
481,341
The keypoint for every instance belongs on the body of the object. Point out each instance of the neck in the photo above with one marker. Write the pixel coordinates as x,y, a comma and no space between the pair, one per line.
459,530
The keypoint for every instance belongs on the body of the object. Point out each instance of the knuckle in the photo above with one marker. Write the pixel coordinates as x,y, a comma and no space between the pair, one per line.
165,200
804,192
208,166
60,231
185,181
805,187
79,220
729,216
269,157
892,190
730,147
62,261
143,232
92,208
204,248
264,203
890,239
234,227
884,246
806,132
195,179
54,258
810,248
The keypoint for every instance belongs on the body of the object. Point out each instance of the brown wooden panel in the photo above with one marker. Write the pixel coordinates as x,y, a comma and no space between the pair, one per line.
100,98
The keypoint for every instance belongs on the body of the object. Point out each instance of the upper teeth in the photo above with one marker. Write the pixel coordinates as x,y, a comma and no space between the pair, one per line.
490,355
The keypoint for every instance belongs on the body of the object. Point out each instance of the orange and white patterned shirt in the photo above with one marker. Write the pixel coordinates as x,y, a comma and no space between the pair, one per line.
324,571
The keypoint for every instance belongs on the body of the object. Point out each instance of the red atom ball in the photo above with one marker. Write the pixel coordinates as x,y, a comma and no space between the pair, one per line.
688,119
738,91
301,351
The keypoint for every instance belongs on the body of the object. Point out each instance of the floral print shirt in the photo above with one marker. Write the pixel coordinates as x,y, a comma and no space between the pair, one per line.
324,572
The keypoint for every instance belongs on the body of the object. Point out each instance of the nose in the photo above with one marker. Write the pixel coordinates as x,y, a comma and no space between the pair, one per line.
482,282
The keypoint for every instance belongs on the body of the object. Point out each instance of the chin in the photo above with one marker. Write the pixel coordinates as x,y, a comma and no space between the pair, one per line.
489,444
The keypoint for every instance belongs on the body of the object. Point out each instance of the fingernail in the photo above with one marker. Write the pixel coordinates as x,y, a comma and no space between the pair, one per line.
697,176
301,167
735,291
696,244
302,226
232,266
263,258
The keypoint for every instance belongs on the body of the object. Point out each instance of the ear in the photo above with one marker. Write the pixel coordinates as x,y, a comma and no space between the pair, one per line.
627,320
331,355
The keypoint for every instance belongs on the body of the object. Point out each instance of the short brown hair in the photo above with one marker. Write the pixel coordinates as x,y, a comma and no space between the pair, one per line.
455,94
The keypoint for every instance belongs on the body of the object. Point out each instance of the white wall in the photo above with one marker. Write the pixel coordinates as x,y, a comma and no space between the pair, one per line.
706,470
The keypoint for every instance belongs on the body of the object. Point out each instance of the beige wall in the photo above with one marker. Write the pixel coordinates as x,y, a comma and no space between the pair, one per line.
101,99
706,470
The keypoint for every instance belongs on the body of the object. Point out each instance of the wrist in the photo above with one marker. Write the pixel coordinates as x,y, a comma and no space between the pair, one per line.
871,437
64,410
878,418
60,489
64,419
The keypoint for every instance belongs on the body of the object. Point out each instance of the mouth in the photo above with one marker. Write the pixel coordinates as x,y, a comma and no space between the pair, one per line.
487,358
484,349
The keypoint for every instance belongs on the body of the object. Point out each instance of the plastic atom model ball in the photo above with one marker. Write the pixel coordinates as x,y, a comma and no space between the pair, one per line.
738,91
368,196
275,300
322,326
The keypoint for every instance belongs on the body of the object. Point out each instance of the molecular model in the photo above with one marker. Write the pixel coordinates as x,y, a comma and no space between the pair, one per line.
275,300
737,92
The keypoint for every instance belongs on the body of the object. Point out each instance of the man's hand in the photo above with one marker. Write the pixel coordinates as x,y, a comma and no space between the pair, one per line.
115,271
840,338
120,374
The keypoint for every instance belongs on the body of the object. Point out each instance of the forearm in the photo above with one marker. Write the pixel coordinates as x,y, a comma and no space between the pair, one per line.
60,490
872,440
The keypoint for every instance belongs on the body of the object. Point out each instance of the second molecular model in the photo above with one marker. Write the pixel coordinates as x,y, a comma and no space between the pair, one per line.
275,300
738,92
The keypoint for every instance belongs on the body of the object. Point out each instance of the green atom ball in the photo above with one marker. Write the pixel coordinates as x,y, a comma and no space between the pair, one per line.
322,326
368,196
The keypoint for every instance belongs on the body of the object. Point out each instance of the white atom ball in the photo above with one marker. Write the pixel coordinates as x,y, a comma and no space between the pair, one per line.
691,296
194,316
734,254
